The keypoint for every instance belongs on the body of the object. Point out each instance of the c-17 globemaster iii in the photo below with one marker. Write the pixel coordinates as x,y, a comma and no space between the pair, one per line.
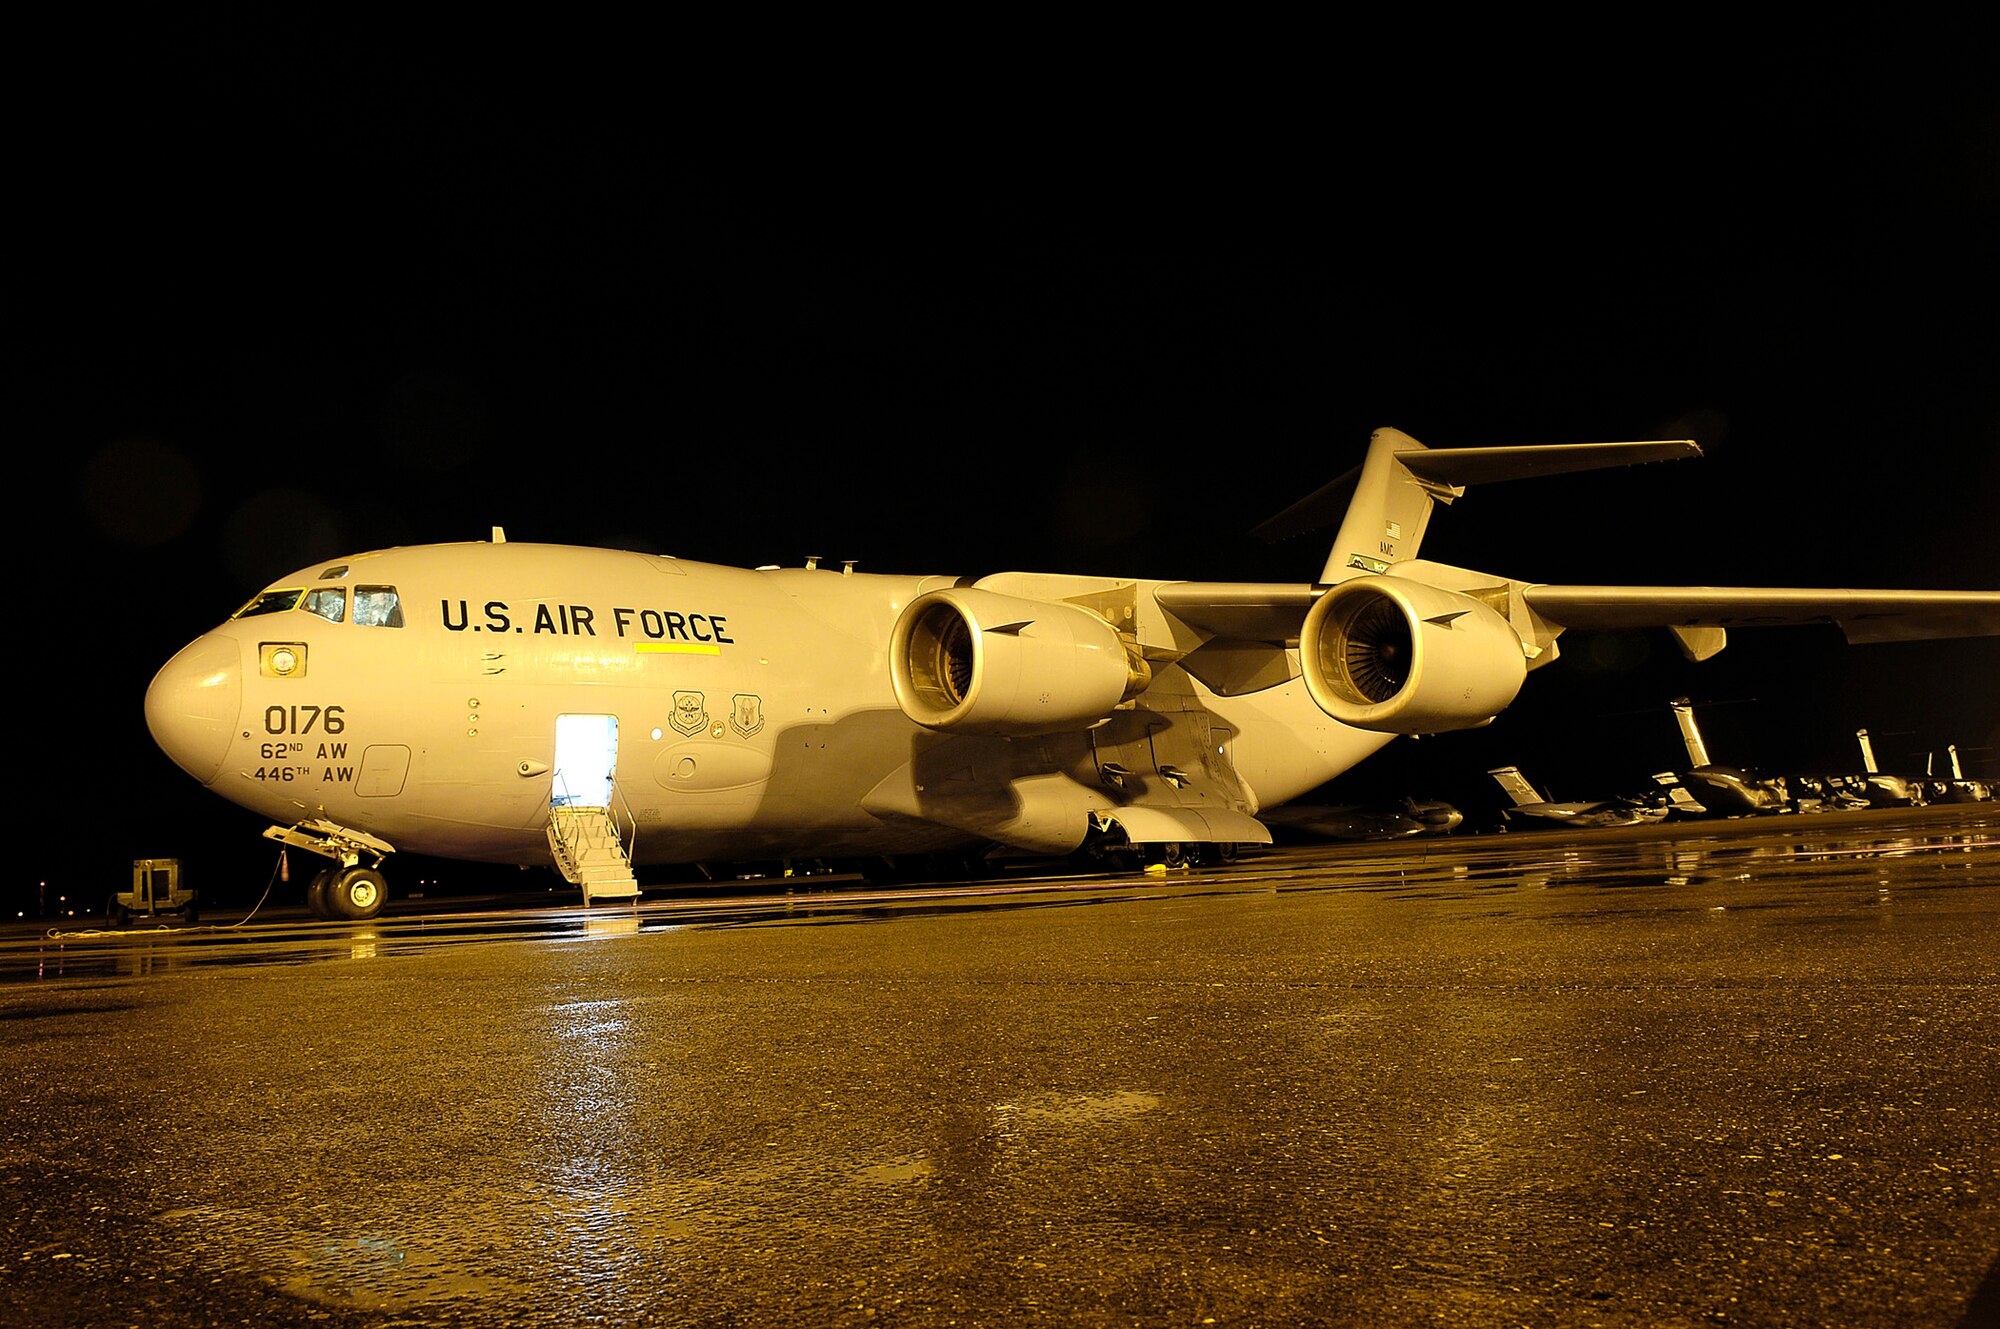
593,710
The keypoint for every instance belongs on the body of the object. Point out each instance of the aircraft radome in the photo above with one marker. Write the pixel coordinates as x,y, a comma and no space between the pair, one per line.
594,710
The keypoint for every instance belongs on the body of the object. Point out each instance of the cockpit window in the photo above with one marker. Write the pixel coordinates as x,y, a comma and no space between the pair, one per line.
374,606
270,602
329,602
377,607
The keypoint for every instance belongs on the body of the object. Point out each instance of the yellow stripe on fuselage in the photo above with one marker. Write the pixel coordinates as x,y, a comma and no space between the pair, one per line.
677,648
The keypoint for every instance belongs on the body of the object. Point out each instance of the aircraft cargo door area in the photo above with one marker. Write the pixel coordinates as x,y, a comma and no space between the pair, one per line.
589,839
586,759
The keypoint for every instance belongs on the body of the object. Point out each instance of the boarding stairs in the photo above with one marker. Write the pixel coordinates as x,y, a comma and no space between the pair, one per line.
590,853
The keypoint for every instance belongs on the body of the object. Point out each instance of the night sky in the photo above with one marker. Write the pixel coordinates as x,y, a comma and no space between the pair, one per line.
294,286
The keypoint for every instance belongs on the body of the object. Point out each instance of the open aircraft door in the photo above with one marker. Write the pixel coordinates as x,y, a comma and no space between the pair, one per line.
586,761
589,835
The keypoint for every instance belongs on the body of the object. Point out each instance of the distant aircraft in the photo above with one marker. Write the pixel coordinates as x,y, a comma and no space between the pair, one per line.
1958,788
597,710
1387,821
1882,788
1725,791
1869,787
1531,805
1825,793
1680,802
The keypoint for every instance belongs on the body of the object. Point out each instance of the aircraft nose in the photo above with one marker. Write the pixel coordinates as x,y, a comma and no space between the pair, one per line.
192,703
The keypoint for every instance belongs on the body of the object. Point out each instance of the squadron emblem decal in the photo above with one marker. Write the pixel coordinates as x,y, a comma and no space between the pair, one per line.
746,717
690,713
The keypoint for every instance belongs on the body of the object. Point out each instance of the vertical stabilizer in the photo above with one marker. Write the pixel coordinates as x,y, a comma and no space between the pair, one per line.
1956,773
1690,734
1867,752
1386,518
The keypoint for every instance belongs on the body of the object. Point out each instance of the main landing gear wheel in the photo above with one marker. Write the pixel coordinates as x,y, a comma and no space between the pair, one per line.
355,893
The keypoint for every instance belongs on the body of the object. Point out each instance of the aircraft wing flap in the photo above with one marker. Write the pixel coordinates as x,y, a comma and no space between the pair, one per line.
1862,615
1244,611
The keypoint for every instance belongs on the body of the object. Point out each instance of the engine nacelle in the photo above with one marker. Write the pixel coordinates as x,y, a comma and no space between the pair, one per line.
1401,657
978,662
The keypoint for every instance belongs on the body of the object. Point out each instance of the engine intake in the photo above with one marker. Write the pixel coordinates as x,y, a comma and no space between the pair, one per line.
1401,657
980,662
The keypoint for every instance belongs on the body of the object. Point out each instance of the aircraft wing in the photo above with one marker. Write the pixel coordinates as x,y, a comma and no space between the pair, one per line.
1863,616
1272,611
1239,610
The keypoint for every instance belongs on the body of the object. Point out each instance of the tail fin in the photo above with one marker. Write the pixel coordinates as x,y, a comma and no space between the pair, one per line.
1697,750
1516,785
1390,509
1394,489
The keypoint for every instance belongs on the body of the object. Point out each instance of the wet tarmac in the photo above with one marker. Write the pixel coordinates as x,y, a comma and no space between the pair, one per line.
1733,1074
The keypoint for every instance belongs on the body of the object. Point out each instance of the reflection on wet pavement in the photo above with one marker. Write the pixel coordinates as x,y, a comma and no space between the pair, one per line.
1820,853
370,1270
1712,1078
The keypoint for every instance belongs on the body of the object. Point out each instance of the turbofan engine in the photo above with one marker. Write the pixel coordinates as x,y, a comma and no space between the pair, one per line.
1402,657
979,662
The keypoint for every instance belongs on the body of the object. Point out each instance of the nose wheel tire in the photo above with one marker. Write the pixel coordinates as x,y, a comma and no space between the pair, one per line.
316,892
354,893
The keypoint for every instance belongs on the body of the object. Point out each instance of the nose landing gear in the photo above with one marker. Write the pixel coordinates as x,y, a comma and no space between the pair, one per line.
345,891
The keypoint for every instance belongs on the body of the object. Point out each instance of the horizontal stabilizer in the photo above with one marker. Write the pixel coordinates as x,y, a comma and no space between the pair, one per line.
1316,511
1864,616
1476,466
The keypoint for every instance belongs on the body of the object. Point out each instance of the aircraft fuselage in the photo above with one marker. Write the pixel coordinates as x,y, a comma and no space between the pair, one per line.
749,714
